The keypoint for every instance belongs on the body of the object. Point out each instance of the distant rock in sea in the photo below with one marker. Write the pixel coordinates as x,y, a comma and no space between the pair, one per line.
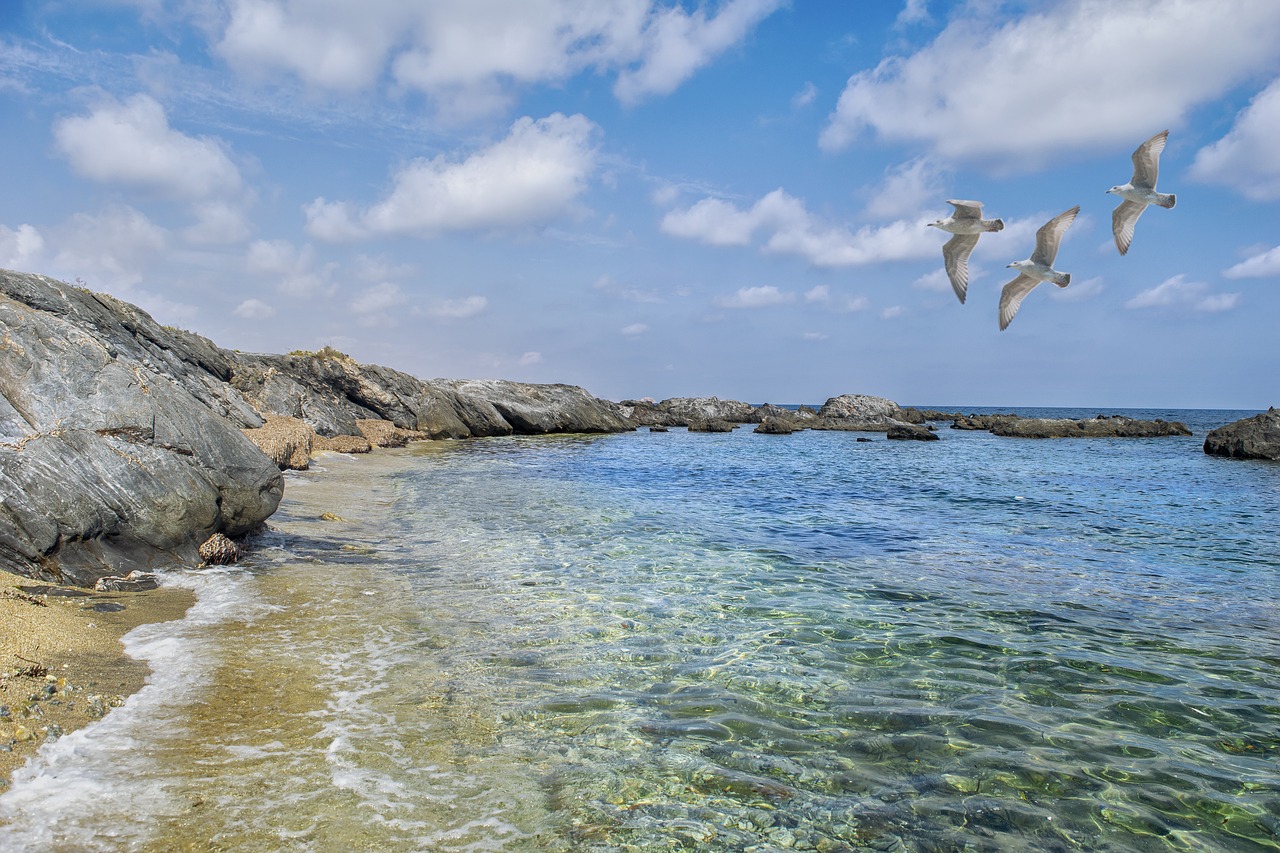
910,432
1257,437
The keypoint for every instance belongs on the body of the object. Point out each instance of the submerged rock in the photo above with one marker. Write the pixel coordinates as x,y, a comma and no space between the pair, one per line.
1257,437
711,425
911,432
773,425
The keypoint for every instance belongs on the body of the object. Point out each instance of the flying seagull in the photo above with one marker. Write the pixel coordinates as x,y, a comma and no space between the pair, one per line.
1037,268
1139,192
966,224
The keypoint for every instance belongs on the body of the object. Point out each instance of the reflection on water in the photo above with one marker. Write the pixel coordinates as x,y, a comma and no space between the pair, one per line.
736,642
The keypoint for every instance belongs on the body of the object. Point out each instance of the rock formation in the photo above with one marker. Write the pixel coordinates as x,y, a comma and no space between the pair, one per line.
910,432
1257,437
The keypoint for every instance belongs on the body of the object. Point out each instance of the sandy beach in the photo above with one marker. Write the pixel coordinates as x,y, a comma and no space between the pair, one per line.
62,665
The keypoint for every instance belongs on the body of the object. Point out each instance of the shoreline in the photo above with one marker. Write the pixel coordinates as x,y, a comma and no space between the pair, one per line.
62,662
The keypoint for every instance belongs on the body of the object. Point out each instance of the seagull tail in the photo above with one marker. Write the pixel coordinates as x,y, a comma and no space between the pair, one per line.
994,225
1062,279
1167,200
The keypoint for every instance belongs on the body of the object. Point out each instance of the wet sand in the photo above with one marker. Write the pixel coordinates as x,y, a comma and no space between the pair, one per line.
62,664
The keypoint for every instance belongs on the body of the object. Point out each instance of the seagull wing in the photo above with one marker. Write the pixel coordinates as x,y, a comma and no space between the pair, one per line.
1011,297
956,255
1146,161
1050,235
1123,219
966,209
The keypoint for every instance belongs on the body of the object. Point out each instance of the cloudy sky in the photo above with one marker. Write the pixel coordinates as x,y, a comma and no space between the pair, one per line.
664,198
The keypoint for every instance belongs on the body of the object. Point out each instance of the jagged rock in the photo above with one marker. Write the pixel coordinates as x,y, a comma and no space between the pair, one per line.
687,409
286,441
527,409
135,581
865,439
913,415
1257,437
341,444
910,432
711,425
858,407
773,425
981,422
1100,427
119,446
218,550
645,412
657,428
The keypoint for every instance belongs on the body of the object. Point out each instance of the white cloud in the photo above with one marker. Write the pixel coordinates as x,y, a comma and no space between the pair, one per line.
293,269
1079,291
906,190
914,12
635,330
1263,265
806,96
793,230
818,293
854,303
532,176
469,57
254,309
460,309
1247,158
755,297
677,43
1177,292
217,222
1065,76
111,248
373,306
626,292
530,358
935,280
21,249
892,312
813,336
132,144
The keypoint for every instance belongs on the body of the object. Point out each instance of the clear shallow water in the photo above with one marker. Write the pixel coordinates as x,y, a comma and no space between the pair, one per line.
666,641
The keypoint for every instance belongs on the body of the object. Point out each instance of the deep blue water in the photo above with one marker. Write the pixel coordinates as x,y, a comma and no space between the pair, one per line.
676,641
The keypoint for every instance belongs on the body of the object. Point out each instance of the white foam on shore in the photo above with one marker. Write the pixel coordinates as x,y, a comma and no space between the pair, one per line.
100,787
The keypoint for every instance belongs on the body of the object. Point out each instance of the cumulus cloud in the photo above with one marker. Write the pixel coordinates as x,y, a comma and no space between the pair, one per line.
892,312
469,57
1079,291
374,305
534,175
906,189
20,249
1177,292
459,309
294,270
806,96
131,144
1131,66
254,309
791,229
626,292
1247,159
755,297
1263,265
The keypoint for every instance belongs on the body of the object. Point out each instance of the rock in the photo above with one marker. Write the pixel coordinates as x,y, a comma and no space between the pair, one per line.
711,425
120,445
286,441
864,438
913,415
910,432
135,581
1104,427
341,444
773,425
657,428
1257,437
646,412
380,433
981,422
687,409
218,550
858,407
518,407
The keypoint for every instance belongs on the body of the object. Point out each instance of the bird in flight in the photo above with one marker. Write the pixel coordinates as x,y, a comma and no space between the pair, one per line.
1139,192
967,224
1037,268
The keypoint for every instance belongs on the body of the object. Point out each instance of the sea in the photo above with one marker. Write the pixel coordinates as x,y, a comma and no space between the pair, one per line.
674,641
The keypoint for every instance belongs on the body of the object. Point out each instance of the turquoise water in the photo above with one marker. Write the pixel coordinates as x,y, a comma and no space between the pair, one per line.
675,641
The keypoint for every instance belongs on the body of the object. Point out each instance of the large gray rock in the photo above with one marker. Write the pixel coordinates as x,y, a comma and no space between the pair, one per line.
1102,426
506,407
1257,437
857,412
120,441
686,409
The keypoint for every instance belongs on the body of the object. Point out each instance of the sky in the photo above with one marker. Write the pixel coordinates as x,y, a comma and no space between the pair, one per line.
660,199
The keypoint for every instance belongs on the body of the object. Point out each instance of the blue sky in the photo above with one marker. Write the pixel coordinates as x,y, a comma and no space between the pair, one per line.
664,199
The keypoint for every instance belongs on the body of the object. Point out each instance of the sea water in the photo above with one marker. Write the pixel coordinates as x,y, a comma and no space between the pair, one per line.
676,641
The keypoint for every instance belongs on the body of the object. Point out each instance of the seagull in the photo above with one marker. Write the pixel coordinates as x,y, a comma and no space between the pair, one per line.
966,224
1140,192
1037,268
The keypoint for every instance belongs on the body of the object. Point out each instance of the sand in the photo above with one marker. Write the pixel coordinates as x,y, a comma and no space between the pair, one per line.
62,664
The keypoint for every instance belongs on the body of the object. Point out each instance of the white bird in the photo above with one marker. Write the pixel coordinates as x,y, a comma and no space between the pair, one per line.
1037,268
967,225
1140,192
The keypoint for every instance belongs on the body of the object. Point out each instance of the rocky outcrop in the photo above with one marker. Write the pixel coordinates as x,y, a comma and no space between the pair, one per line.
121,442
1115,426
711,425
686,409
775,425
1257,437
858,413
119,445
913,415
910,432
